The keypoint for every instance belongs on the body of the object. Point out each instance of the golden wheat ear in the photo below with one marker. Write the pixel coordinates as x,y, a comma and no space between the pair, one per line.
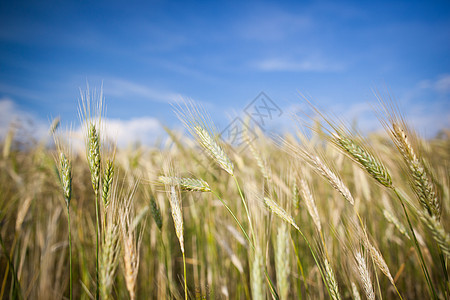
198,123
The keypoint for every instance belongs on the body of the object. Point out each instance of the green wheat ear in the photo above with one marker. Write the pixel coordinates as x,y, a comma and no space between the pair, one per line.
107,182
368,161
66,177
93,156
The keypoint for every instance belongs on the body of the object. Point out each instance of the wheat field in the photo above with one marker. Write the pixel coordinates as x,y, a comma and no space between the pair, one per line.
321,213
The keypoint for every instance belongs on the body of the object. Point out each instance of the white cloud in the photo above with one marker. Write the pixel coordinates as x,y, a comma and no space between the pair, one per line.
26,122
307,65
144,130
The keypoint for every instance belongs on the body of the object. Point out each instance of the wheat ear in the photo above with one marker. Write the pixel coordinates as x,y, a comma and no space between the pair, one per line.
107,182
331,281
364,158
364,275
310,204
438,232
379,260
256,275
213,149
393,220
355,293
188,184
279,211
422,183
131,241
110,248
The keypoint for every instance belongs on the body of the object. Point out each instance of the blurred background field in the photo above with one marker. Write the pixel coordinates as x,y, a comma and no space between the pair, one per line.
265,206
220,261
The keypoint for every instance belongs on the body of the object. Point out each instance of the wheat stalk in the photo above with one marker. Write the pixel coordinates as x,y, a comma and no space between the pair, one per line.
281,260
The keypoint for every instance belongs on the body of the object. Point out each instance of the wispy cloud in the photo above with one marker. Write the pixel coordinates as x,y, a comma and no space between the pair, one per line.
127,89
441,84
306,65
271,23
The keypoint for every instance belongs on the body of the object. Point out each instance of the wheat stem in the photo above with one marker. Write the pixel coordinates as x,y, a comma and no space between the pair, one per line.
430,285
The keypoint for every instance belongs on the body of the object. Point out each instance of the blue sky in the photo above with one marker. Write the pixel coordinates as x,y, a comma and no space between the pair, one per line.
223,54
